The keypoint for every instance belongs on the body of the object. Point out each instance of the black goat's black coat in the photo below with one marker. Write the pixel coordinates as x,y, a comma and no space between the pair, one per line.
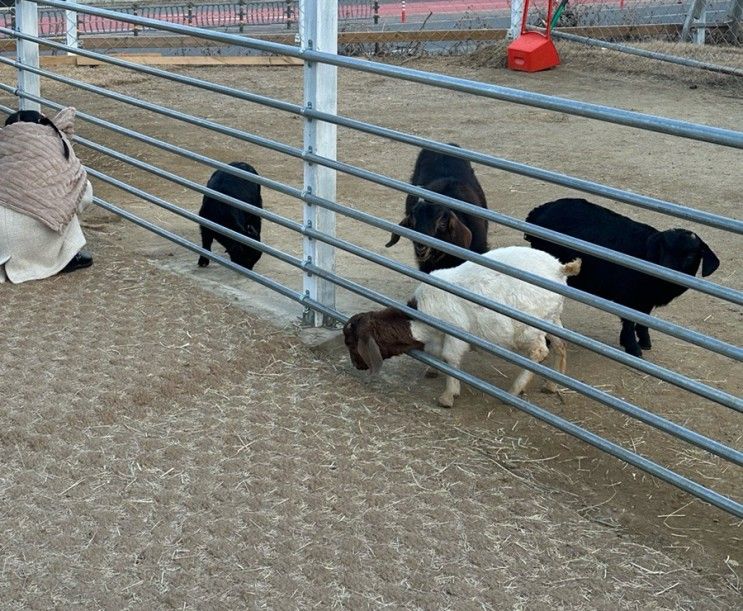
677,249
430,166
231,217
451,177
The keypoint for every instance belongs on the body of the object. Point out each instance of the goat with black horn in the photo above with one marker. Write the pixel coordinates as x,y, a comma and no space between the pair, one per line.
451,177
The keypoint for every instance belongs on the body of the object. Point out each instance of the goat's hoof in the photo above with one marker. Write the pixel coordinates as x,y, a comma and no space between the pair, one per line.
631,346
431,373
446,400
645,345
559,394
551,388
203,262
634,351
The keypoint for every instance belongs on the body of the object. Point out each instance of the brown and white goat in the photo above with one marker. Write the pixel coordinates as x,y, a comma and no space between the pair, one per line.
372,337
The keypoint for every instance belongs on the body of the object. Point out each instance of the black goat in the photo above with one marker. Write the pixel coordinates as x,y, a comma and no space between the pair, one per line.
677,249
232,218
451,177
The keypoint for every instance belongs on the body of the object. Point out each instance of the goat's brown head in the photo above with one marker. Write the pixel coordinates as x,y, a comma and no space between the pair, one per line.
438,222
362,347
372,337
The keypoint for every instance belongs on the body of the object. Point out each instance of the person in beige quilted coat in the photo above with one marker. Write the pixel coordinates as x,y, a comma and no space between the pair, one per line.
43,188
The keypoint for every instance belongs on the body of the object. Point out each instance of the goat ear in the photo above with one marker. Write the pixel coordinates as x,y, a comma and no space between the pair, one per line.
369,351
394,238
654,247
459,232
710,262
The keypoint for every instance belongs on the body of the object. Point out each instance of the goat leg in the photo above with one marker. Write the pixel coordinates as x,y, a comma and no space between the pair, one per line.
643,337
538,353
627,338
207,237
452,352
558,348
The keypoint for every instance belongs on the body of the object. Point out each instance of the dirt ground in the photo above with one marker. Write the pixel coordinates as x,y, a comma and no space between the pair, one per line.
183,452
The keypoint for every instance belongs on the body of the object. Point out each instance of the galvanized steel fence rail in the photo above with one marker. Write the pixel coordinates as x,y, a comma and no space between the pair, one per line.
666,30
317,229
712,21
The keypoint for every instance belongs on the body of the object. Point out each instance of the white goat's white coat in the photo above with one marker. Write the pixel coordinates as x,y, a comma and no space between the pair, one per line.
489,325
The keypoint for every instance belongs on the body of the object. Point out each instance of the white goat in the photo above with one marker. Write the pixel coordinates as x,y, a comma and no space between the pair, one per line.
372,337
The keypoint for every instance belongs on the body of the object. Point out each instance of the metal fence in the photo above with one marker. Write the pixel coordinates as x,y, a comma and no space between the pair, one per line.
697,31
638,20
233,15
694,33
316,231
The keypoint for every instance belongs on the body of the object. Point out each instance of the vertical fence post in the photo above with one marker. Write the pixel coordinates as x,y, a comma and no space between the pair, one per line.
71,29
734,18
700,34
318,31
135,27
289,11
517,12
375,9
27,22
697,12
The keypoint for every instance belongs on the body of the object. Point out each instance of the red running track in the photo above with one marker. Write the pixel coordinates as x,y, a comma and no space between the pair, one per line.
414,7
91,24
445,6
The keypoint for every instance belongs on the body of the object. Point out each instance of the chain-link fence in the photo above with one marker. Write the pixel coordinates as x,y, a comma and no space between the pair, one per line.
699,33
711,21
257,18
707,31
225,16
365,26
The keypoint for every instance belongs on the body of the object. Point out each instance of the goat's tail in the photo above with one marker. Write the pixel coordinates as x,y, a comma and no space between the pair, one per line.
572,268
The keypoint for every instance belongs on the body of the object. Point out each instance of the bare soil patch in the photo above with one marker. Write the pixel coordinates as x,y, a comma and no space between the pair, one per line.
179,449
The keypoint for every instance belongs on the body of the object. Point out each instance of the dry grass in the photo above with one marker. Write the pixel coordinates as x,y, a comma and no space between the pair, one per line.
164,449
613,63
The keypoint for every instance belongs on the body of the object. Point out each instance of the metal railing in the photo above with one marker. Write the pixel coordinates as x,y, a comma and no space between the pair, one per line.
650,30
317,231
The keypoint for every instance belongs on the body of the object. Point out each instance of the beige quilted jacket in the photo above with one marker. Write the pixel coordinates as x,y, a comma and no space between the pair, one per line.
35,178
